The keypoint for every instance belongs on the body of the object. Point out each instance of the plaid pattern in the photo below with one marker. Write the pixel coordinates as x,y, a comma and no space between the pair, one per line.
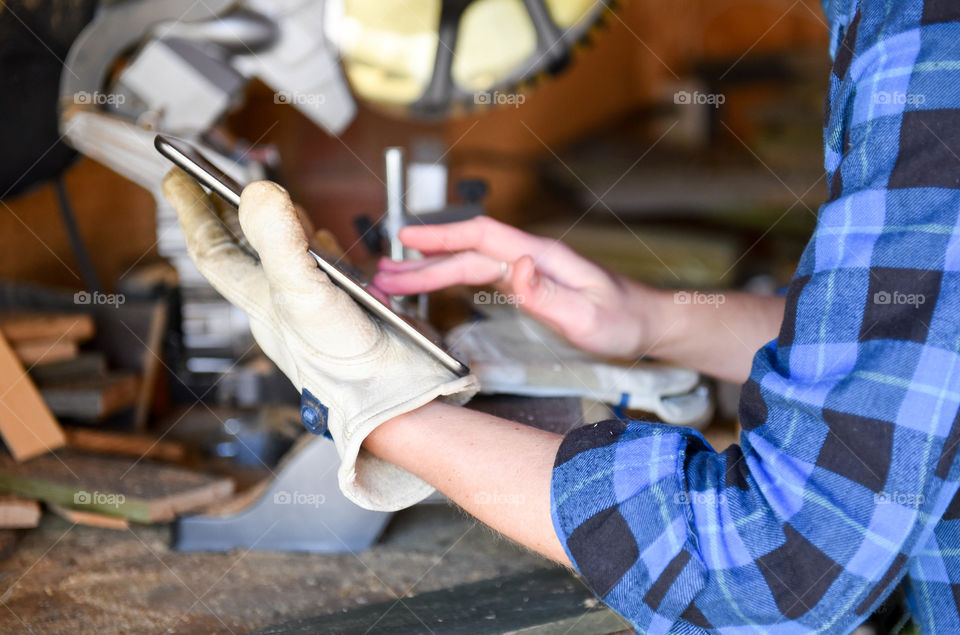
845,476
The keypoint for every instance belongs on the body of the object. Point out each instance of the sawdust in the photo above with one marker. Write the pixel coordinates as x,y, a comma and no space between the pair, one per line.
84,579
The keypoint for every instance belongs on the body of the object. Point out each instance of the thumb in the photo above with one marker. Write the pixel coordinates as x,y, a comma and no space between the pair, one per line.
313,304
271,224
563,309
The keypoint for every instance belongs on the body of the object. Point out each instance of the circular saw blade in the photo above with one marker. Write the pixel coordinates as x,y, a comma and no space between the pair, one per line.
433,58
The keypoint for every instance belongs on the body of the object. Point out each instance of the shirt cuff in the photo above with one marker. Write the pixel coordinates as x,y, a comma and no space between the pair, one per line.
622,514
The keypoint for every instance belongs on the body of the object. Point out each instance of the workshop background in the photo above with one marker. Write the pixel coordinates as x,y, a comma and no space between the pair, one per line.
679,143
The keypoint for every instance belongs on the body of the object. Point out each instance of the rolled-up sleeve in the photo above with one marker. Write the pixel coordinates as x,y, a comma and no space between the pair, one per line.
847,458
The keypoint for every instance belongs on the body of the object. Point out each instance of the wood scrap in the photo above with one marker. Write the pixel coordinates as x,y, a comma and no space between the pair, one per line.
35,352
93,398
23,326
26,424
17,513
83,366
151,364
140,491
122,444
91,519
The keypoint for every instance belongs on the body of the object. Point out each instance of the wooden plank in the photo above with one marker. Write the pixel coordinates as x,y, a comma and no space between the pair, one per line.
16,513
140,491
93,398
45,351
26,424
544,601
151,364
23,326
135,445
91,519
83,366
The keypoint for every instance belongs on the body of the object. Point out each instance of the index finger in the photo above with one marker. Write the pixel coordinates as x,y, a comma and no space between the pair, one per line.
203,229
481,234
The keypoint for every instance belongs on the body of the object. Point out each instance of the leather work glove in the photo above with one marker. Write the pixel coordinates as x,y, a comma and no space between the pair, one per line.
353,372
512,353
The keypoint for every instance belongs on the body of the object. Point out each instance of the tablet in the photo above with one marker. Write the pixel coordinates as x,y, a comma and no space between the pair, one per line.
192,161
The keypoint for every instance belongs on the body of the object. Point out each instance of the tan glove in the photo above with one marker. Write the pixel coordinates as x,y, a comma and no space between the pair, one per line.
353,372
512,353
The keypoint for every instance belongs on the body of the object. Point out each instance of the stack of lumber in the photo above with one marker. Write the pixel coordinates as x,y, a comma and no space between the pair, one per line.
130,489
39,338
84,475
26,423
106,479
72,384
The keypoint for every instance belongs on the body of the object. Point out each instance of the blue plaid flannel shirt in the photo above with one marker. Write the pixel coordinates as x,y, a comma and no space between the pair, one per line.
845,478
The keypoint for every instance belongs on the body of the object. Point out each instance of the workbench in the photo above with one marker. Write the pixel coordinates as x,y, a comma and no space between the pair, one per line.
65,578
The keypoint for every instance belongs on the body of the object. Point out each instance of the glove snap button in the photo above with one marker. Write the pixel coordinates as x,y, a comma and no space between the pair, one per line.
313,413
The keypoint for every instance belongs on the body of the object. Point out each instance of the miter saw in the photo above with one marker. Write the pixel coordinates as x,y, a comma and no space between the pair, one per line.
177,67
182,66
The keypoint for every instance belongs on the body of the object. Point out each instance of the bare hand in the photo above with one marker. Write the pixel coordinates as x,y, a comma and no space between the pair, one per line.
575,297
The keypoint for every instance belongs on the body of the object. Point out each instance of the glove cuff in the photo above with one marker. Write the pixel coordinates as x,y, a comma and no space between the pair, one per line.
378,485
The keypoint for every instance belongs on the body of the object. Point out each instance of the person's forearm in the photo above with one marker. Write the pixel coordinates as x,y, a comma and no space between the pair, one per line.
717,333
496,470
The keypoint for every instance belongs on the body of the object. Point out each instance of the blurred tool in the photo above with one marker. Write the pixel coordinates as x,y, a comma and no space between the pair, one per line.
189,65
299,510
424,185
423,201
430,58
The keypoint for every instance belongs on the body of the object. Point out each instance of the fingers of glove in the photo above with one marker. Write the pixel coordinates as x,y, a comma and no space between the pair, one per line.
271,224
438,272
324,316
228,215
218,257
305,221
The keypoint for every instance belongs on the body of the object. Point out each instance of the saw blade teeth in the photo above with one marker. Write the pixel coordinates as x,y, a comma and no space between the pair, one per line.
463,103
